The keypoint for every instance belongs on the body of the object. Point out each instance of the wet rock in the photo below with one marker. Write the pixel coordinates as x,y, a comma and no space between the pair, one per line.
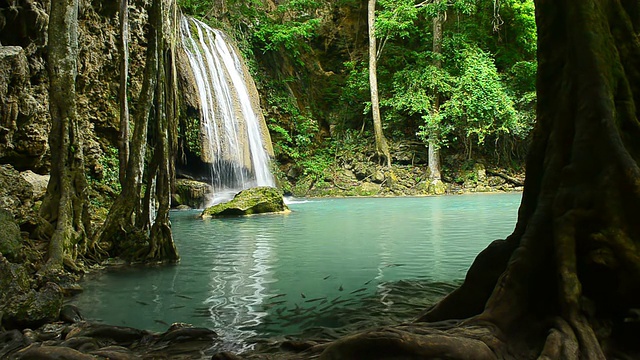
115,353
247,202
118,334
191,193
70,314
43,352
225,355
11,341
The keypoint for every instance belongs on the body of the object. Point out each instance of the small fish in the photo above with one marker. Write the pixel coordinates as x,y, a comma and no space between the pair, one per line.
176,307
277,302
184,296
326,277
316,299
142,302
368,282
359,290
303,295
276,296
161,322
340,288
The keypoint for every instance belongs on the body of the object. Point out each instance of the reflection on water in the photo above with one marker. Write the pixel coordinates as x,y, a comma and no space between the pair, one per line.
331,263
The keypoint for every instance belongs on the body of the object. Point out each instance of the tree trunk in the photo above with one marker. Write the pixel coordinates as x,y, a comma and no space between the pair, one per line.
382,149
435,178
123,154
565,284
161,245
120,225
65,203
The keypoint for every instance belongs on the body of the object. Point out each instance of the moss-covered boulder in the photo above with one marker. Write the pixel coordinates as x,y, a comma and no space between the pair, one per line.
10,240
256,200
20,304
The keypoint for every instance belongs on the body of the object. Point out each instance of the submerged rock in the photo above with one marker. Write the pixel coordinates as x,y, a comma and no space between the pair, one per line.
247,202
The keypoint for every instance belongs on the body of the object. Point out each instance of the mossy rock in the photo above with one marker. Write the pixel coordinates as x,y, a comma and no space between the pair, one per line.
10,240
256,200
21,305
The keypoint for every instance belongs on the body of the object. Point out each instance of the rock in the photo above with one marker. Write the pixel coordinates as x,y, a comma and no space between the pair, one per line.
38,183
481,172
247,202
23,306
10,239
368,189
24,124
192,193
11,341
16,196
437,187
42,352
120,334
70,314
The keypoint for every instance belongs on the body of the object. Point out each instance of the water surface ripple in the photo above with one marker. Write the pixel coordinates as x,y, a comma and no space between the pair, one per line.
330,264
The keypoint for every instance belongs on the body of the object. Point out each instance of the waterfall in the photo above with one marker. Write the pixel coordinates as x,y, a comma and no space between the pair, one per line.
234,140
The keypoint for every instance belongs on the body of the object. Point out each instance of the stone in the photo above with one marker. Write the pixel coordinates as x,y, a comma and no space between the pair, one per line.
368,189
192,193
38,183
481,172
251,201
16,196
10,239
23,306
71,314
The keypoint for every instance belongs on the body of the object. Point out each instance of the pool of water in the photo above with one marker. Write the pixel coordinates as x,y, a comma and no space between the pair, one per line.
329,264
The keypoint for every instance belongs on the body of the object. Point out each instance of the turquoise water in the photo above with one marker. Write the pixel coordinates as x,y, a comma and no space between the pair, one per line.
330,264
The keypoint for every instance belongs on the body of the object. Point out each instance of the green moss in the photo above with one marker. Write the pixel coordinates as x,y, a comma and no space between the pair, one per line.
248,202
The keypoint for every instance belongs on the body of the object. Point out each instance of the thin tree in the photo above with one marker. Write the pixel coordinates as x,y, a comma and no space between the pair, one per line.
382,148
123,154
434,147
65,206
565,283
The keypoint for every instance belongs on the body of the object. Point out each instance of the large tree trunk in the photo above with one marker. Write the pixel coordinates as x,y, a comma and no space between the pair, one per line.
382,149
120,228
162,247
65,203
565,284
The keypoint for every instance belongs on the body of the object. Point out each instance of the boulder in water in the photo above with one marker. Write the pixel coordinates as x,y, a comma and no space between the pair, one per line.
256,200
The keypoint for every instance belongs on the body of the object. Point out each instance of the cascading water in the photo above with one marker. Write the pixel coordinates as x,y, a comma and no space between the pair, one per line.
233,141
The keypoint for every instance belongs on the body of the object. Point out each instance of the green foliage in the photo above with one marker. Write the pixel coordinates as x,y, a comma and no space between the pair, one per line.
289,28
479,105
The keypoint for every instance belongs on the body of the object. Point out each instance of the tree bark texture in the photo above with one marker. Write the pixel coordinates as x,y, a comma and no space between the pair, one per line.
382,148
65,203
161,245
434,147
566,283
129,225
123,154
120,227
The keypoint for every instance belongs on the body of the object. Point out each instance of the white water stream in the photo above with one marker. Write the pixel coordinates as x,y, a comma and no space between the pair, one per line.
233,141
